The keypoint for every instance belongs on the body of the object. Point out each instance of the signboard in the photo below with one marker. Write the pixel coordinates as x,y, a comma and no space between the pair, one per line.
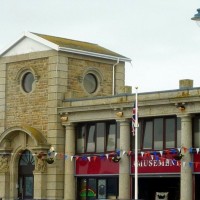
156,164
196,163
96,165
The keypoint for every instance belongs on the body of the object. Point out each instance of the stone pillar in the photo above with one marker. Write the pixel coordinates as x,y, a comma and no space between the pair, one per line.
124,164
4,177
186,170
40,178
69,180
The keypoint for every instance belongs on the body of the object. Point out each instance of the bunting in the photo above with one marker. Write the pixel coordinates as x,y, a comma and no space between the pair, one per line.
174,154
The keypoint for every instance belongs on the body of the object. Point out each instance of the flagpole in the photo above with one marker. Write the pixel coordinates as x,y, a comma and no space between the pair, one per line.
136,143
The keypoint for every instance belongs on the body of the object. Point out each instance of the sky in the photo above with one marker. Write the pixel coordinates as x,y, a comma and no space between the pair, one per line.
157,35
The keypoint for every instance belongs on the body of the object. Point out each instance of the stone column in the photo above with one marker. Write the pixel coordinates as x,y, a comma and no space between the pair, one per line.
186,170
124,164
4,177
69,180
40,178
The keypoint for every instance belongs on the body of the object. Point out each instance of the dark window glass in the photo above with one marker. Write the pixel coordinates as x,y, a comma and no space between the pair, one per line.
27,82
97,188
26,158
196,131
90,83
101,188
118,135
91,139
158,136
111,138
170,133
97,137
159,133
81,139
100,137
91,189
112,187
148,135
178,131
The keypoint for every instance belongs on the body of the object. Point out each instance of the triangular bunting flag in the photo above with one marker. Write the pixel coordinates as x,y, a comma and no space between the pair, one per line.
197,149
72,158
95,157
196,164
77,157
185,149
190,164
161,153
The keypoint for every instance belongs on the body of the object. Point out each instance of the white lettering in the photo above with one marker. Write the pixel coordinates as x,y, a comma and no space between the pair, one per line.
155,163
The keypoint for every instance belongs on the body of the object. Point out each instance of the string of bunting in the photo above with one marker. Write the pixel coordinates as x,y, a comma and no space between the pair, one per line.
175,153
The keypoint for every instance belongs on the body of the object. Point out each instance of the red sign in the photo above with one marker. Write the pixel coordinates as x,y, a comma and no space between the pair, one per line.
196,163
156,164
96,165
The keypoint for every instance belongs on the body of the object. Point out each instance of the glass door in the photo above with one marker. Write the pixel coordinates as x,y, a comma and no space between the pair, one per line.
26,179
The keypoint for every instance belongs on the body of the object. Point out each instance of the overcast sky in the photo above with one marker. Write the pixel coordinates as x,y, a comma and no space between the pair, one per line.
158,35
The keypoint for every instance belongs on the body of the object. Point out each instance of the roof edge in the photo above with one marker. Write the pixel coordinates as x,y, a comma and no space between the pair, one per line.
31,36
56,47
93,54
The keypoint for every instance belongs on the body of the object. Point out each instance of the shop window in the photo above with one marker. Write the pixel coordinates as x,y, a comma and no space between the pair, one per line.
80,139
90,188
98,137
148,135
158,133
170,133
91,139
111,137
196,131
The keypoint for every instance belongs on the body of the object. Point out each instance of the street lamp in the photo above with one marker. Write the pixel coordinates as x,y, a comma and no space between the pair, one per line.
197,17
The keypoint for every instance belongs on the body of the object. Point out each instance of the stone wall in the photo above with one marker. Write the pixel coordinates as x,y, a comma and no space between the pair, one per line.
27,108
77,69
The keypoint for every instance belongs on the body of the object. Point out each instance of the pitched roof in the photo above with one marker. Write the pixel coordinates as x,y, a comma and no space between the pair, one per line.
73,46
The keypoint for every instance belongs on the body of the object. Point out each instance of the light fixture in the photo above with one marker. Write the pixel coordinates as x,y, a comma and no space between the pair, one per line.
119,114
196,17
116,158
180,106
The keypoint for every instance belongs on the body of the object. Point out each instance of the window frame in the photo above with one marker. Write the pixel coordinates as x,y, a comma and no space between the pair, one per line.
85,126
143,122
97,179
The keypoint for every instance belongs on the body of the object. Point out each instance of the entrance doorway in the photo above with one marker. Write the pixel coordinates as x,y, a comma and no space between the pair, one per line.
25,173
149,186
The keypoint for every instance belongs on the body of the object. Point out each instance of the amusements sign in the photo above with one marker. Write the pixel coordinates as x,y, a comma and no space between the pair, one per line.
196,163
156,164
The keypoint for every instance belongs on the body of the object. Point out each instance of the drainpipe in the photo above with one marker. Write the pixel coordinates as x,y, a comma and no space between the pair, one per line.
113,86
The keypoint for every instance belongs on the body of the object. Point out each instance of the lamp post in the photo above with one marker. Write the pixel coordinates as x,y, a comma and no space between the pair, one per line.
197,17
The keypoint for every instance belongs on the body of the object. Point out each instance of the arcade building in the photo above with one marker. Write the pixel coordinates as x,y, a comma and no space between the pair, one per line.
66,127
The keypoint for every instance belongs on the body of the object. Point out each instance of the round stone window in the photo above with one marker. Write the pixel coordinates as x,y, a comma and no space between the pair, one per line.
27,82
90,83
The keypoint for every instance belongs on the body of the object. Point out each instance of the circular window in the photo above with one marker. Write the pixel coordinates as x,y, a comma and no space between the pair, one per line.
90,83
27,82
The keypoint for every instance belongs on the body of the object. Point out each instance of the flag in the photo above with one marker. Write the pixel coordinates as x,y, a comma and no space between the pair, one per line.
133,119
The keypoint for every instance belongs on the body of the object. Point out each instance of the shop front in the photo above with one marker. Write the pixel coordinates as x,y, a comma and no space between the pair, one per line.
158,177
97,178
196,177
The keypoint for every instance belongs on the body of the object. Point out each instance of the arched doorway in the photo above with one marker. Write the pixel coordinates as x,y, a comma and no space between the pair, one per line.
25,175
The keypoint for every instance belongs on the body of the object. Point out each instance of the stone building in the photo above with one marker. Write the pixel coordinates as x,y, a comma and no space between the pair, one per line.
65,127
